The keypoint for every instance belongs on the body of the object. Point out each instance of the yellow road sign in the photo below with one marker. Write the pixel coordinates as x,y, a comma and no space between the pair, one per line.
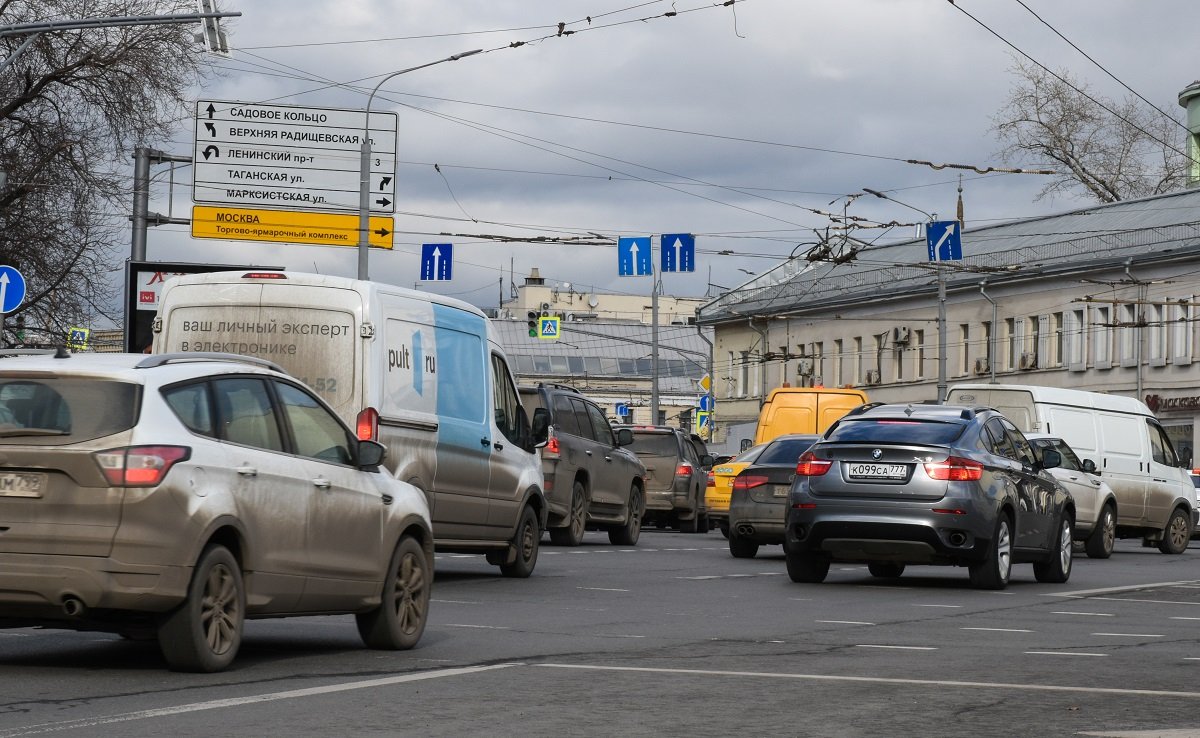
288,226
548,328
77,338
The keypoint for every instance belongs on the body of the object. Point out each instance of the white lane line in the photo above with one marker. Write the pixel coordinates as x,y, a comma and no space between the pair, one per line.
1191,658
1089,614
238,701
1112,590
898,648
844,622
456,602
1069,653
1182,617
628,550
800,599
1016,687
769,574
1130,635
703,576
548,553
920,605
1002,630
1152,602
481,627
602,589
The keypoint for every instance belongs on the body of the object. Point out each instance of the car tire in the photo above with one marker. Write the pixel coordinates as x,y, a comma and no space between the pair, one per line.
526,542
996,568
1099,544
885,569
807,568
1056,569
572,534
690,526
399,621
724,529
702,523
628,534
204,633
742,548
1177,533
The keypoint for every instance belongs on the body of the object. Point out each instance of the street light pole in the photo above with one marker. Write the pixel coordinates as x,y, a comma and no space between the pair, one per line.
364,164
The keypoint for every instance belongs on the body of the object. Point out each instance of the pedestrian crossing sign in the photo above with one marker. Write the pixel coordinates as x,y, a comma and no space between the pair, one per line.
77,339
548,328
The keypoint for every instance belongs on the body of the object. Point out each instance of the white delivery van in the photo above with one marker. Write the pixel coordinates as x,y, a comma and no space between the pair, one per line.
1121,439
424,375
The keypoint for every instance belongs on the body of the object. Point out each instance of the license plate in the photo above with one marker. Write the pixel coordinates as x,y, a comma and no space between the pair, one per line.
878,471
781,490
17,484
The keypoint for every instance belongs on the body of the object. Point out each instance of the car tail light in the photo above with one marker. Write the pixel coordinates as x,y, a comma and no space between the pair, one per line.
683,470
810,466
955,469
749,481
711,482
552,446
139,466
264,275
366,425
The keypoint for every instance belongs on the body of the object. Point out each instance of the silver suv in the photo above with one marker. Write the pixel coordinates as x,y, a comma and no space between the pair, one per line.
891,485
591,481
176,495
676,476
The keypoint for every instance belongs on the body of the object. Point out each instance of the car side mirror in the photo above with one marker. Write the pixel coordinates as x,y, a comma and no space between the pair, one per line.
1051,458
541,426
706,461
371,454
1089,466
624,437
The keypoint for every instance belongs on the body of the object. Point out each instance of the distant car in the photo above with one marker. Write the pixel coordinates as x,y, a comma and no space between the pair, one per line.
676,477
591,480
1095,501
759,502
893,485
176,495
720,485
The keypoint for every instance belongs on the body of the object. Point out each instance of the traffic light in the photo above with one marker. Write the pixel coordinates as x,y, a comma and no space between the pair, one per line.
533,323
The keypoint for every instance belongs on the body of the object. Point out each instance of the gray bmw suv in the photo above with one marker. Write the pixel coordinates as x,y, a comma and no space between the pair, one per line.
891,485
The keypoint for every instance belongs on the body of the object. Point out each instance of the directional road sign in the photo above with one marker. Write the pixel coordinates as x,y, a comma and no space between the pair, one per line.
12,289
705,403
703,420
944,240
288,226
678,252
437,261
548,328
633,256
291,157
622,409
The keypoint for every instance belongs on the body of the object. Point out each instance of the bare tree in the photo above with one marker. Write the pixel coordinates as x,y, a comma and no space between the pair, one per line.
1126,151
73,106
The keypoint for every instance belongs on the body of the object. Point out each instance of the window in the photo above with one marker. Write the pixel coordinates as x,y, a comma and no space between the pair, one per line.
558,364
895,431
628,367
743,382
524,364
1128,332
1014,348
1056,340
575,364
964,350
591,364
986,350
1102,336
505,402
541,364
1181,332
1034,342
858,360
601,430
191,405
1160,446
996,441
564,415
316,432
838,362
1075,345
245,413
1156,327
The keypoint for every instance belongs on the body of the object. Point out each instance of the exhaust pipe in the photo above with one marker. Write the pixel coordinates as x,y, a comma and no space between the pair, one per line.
745,529
73,607
958,538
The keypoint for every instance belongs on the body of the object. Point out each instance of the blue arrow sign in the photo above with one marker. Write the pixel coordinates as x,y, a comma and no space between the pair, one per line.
944,240
680,250
437,261
706,403
12,289
622,409
633,256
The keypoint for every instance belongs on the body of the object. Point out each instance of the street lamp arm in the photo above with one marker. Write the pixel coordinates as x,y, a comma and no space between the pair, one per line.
882,196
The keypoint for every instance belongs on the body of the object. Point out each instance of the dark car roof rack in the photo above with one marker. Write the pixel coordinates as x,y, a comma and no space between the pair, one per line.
155,360
556,385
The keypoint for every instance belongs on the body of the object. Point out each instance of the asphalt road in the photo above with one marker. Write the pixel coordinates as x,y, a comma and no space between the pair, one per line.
671,637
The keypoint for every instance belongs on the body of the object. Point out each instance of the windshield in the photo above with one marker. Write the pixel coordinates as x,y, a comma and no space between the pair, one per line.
786,450
922,432
655,444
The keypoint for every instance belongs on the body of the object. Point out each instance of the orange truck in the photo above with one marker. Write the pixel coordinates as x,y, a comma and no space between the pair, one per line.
804,410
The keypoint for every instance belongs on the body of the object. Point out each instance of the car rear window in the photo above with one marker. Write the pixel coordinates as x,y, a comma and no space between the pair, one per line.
655,444
922,432
53,411
785,451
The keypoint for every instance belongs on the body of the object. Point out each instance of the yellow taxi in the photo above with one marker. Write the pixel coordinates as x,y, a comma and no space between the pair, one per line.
720,486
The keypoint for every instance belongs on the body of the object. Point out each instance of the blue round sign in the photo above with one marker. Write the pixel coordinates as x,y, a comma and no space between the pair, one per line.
12,289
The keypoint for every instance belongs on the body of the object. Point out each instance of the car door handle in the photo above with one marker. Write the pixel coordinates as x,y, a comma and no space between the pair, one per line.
321,482
588,452
485,441
247,471
608,459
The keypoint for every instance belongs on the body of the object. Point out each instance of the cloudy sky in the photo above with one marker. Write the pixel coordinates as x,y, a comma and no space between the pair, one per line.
741,124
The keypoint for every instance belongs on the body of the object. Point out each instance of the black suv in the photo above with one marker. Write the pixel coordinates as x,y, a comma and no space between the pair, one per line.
677,465
591,482
891,485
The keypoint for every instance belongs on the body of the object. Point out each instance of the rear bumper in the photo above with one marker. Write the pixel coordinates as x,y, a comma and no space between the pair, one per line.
763,522
39,585
908,536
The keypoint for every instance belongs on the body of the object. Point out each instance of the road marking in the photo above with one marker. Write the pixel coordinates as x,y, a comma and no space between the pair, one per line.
1017,687
1129,635
920,605
481,627
457,602
238,701
1072,653
845,622
1111,590
602,589
1152,602
1002,630
1182,617
703,576
898,648
1090,614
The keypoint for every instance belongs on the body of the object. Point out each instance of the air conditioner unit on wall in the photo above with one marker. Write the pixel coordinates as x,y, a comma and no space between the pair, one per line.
1028,361
901,334
872,376
981,366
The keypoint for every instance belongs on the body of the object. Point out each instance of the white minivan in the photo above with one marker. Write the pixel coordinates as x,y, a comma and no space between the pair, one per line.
1119,439
423,374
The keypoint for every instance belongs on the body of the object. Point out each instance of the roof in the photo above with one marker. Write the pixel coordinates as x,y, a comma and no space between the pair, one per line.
1163,226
